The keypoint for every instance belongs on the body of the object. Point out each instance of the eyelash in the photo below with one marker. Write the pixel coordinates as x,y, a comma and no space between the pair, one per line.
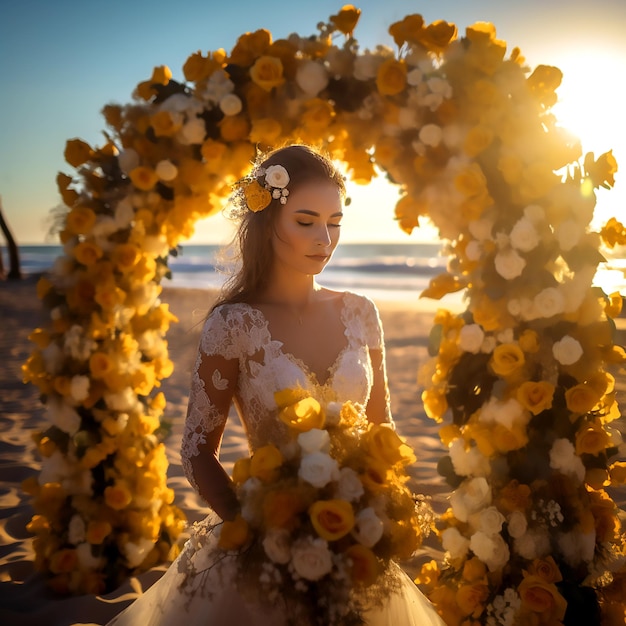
311,224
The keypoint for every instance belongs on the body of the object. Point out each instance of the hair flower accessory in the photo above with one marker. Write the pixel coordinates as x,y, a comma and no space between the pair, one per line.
257,190
257,197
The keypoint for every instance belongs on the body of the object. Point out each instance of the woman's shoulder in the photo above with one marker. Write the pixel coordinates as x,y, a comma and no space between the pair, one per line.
359,301
234,314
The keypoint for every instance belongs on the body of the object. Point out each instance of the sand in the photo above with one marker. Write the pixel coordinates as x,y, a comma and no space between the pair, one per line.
24,599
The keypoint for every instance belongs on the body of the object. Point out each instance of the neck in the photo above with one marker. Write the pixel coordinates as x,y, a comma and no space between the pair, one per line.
290,289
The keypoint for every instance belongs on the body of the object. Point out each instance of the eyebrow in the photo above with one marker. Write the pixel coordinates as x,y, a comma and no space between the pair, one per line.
315,214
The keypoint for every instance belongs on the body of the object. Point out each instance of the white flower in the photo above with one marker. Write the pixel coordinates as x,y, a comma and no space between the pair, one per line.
314,440
124,213
568,234
509,264
368,527
431,135
563,458
124,400
505,412
193,132
166,170
471,338
535,213
251,497
350,487
333,413
136,552
454,542
407,118
311,558
276,176
577,547
524,235
549,302
517,524
86,559
488,521
128,160
79,388
468,462
533,544
473,250
453,137
489,345
311,77
491,549
318,469
76,530
52,358
414,77
63,416
218,86
366,65
440,86
231,104
277,545
567,351
481,229
472,496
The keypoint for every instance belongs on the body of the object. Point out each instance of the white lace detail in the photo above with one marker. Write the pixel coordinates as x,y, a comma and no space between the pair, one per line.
239,331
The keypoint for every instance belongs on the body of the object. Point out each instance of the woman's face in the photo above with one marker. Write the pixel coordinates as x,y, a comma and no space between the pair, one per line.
306,232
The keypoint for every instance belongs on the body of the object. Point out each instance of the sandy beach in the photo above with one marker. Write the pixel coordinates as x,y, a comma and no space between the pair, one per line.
24,599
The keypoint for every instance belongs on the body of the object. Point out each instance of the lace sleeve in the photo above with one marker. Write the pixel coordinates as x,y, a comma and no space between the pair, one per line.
213,384
372,326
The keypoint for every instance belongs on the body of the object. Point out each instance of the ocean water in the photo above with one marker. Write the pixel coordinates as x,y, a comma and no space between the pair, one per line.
382,271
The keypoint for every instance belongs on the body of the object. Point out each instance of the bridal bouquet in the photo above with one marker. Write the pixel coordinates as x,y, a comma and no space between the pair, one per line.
323,515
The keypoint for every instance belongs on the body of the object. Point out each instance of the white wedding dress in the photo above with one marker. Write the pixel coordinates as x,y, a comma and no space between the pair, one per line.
241,332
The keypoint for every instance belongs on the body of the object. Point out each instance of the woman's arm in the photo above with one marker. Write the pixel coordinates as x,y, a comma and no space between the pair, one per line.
378,406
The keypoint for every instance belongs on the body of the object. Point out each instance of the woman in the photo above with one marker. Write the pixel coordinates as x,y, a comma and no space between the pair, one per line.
273,328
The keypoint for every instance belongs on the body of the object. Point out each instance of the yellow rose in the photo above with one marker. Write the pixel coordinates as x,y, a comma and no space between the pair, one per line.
249,46
542,597
508,439
77,152
143,177
474,570
547,569
198,67
241,470
80,220
364,567
605,516
265,131
408,29
164,124
125,256
234,128
592,439
514,497
303,415
384,444
617,472
345,21
376,475
267,72
507,359
234,534
317,115
472,598
535,396
529,341
391,77
118,496
435,404
265,463
597,477
582,398
477,140
87,253
281,507
332,519
471,181
436,36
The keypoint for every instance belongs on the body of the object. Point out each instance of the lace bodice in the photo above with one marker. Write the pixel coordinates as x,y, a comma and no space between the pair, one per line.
238,360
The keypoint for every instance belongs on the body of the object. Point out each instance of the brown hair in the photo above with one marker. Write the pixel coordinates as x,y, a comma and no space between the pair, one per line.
254,234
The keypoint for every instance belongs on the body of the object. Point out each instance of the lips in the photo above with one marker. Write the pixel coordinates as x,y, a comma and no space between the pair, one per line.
318,257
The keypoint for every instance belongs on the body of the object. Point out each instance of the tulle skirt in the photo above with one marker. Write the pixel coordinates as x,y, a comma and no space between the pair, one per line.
199,589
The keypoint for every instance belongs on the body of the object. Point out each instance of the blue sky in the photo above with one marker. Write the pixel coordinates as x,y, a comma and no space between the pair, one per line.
62,61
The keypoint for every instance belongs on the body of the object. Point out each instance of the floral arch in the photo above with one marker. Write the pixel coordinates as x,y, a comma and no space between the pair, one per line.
520,380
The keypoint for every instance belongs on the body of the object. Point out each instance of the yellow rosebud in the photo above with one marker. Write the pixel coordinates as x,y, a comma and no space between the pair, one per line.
346,20
77,152
234,534
266,462
507,359
267,72
303,415
535,396
391,77
364,566
592,439
332,519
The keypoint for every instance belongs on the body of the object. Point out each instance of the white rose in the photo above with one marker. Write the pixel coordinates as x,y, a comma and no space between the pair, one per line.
333,413
563,458
86,559
350,487
124,213
63,416
128,160
414,77
311,77
468,462
505,412
454,542
440,86
176,103
366,66
166,170
314,440
318,469
517,524
368,527
79,388
407,118
231,104
524,236
136,552
489,520
472,496
533,544
52,358
276,176
549,302
473,250
489,345
491,549
431,135
577,547
193,132
311,559
277,545
535,213
76,530
567,351
481,229
124,400
509,264
471,338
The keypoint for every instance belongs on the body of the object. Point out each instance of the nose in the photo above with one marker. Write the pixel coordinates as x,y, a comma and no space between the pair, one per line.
323,236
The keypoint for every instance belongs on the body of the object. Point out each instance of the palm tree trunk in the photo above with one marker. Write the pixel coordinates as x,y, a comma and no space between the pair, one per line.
14,257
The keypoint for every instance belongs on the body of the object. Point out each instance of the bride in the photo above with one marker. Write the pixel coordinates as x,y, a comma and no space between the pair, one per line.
273,328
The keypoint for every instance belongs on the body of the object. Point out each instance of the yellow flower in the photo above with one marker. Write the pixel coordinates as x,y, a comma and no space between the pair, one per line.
267,72
303,415
376,476
442,285
80,220
125,256
529,341
391,77
332,519
213,153
87,252
364,566
514,497
435,403
471,181
582,398
38,524
97,531
437,36
241,470
472,598
280,508
250,46
257,197
198,67
234,128
542,597
507,359
118,496
477,140
408,29
617,473
535,396
234,534
77,152
143,177
266,462
474,570
508,439
384,444
347,18
317,115
100,364
63,561
592,439
265,131
164,125
547,569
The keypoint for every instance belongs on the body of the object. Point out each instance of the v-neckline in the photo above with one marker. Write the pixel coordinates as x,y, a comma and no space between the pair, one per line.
306,370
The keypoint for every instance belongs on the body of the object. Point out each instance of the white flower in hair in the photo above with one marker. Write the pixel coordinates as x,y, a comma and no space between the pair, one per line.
276,176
